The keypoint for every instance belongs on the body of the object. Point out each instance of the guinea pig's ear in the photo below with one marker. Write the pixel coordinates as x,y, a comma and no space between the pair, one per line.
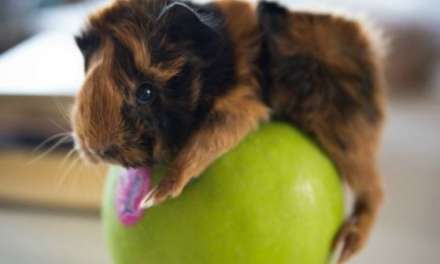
87,42
184,25
272,17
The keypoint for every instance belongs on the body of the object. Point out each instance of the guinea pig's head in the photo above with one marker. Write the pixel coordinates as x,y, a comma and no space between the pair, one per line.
145,65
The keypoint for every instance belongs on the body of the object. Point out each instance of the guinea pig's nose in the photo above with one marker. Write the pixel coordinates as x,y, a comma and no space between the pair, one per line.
109,152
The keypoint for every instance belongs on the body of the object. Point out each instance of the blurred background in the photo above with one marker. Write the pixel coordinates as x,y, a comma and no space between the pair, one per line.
49,204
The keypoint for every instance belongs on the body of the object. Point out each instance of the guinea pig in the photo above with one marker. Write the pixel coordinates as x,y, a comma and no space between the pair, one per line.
152,73
183,83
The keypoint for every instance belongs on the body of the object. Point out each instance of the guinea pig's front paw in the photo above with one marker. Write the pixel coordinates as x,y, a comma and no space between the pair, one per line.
169,187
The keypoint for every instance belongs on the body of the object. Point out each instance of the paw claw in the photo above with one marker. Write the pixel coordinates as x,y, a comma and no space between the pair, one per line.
149,200
352,240
168,188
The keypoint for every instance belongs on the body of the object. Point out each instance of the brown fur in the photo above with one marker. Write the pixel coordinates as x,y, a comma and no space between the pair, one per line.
97,120
241,21
319,72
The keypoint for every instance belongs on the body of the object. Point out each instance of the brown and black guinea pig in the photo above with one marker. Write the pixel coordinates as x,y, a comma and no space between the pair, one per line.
179,82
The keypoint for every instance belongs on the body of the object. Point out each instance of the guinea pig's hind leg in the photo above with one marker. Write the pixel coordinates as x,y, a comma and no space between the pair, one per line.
366,185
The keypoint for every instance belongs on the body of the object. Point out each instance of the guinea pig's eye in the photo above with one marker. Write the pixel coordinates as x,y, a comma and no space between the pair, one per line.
145,93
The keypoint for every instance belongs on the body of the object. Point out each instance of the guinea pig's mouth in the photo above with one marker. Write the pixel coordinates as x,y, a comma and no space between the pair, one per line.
130,159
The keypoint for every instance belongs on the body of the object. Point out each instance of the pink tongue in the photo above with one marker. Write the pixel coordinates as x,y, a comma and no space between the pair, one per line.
133,185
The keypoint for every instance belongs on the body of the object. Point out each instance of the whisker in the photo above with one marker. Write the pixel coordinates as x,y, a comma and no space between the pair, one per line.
49,139
68,155
58,125
69,169
53,147
60,109
63,162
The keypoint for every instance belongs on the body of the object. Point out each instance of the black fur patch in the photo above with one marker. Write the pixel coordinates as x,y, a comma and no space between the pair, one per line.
264,75
297,72
218,69
176,118
272,16
215,70
271,19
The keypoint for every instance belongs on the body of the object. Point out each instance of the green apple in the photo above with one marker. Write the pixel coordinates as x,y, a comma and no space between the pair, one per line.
275,198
